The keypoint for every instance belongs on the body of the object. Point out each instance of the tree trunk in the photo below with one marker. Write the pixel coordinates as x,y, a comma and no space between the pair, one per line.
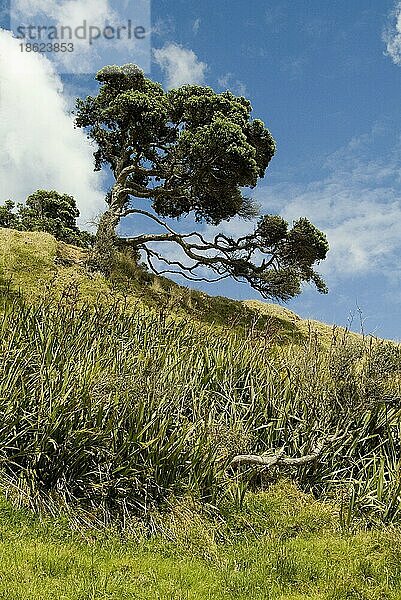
103,254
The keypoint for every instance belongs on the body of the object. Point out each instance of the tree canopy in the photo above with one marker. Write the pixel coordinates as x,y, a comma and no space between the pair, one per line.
193,151
50,211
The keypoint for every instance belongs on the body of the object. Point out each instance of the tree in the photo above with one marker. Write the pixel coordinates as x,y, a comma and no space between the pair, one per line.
8,218
47,211
192,151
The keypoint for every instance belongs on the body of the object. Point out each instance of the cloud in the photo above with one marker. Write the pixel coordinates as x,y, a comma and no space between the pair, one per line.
164,27
91,48
392,35
361,223
294,66
228,81
39,147
196,25
180,65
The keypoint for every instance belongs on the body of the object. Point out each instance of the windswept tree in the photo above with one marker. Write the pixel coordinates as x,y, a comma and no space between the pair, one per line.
192,151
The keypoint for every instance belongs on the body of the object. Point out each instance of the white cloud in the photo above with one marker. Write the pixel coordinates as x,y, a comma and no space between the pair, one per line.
229,82
293,67
392,35
180,65
362,223
164,27
39,147
90,17
196,25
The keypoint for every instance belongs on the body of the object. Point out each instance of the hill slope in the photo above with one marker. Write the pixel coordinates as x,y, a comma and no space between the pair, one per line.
123,421
38,264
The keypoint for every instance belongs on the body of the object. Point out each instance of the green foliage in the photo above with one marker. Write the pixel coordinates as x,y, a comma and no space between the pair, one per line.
7,217
202,144
296,251
47,211
116,412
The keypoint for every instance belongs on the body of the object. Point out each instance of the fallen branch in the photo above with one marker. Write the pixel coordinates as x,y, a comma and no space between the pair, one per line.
278,459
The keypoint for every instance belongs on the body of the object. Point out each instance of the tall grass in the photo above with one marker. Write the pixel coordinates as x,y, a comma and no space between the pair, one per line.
118,412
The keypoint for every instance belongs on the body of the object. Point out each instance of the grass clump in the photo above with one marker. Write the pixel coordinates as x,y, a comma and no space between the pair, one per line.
114,412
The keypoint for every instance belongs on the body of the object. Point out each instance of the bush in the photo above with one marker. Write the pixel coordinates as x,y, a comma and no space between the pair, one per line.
47,211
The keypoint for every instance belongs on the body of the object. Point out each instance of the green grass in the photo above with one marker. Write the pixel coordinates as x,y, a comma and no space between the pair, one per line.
40,266
115,411
283,545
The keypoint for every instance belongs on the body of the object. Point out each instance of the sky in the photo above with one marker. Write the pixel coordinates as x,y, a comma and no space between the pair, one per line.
325,77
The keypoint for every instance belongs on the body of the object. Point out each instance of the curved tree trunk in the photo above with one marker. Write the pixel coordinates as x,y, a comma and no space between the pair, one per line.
103,254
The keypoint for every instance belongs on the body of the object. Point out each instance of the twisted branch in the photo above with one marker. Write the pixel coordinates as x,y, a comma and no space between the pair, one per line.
278,459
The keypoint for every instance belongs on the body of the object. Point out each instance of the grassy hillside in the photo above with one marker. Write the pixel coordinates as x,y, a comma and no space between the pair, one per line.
38,265
123,403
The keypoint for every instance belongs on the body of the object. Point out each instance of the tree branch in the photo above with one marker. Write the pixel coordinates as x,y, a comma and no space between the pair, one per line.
150,253
223,255
278,459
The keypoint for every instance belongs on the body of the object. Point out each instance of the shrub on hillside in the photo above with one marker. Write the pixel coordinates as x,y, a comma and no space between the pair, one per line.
47,211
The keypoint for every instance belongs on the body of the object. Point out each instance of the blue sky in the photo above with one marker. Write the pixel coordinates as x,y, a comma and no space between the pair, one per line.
326,79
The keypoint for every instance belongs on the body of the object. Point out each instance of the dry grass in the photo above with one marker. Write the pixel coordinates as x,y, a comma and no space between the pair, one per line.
302,327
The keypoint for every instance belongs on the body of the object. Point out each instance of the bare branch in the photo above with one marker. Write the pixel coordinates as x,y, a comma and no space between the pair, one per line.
229,247
278,459
255,459
150,253
223,255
